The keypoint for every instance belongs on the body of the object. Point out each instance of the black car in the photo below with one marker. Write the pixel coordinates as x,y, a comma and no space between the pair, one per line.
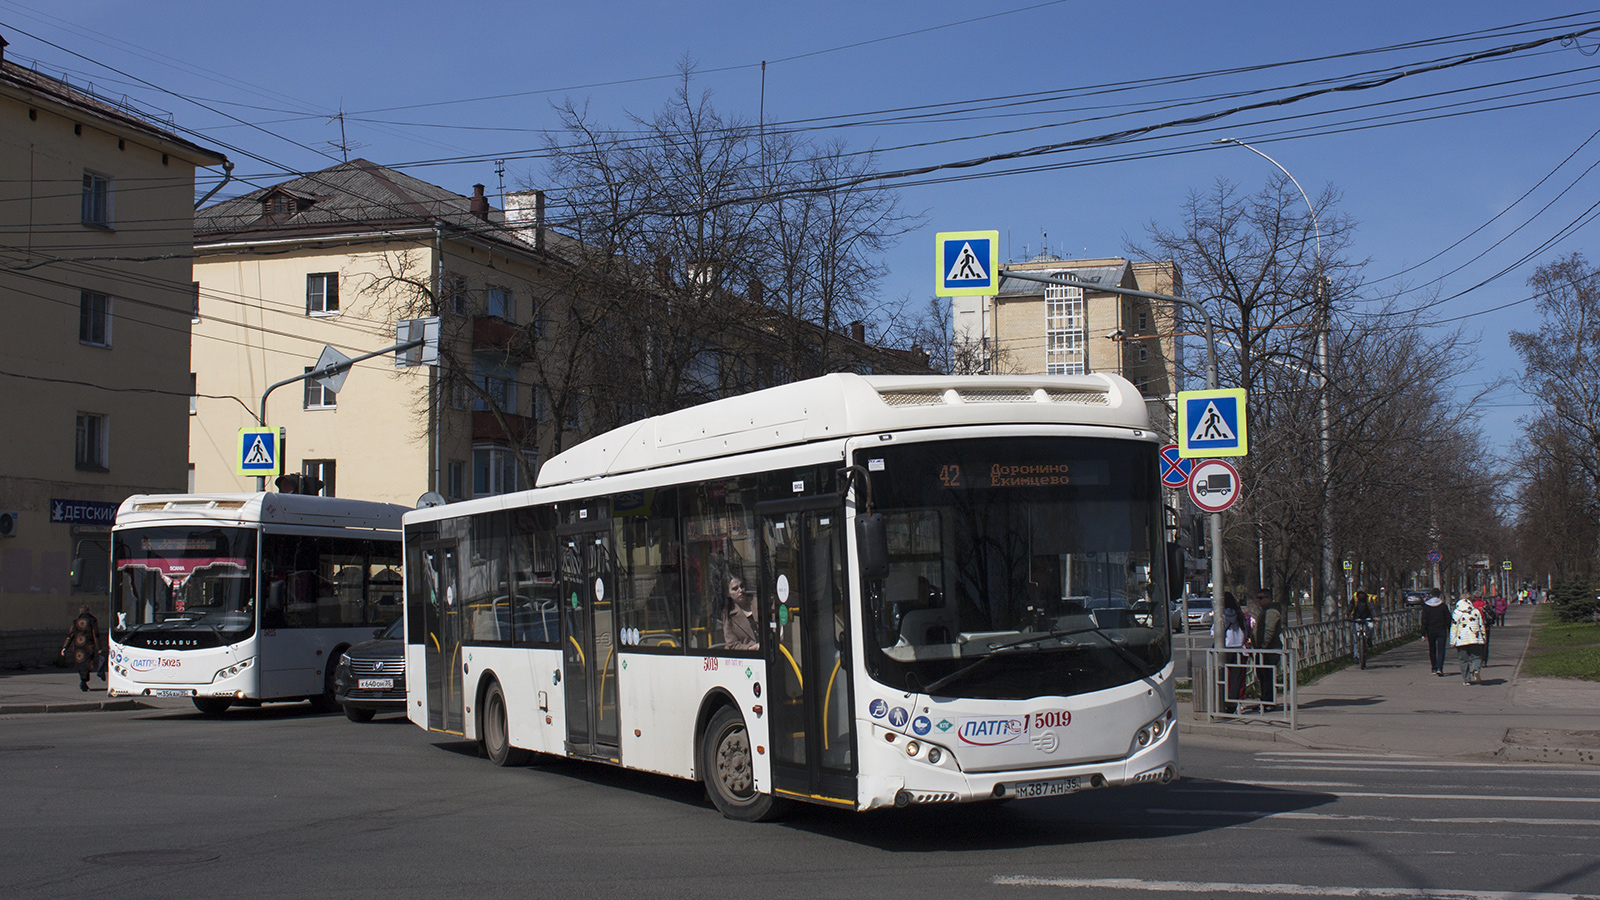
371,676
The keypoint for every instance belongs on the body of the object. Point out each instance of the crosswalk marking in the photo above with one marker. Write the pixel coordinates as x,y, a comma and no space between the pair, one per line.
1282,889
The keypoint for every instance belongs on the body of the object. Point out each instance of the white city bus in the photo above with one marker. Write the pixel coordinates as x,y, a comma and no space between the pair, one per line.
241,598
853,591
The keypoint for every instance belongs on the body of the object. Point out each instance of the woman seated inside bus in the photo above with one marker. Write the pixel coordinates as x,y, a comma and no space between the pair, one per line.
738,617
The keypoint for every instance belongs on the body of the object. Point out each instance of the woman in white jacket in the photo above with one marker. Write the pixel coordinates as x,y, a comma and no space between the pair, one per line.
1470,638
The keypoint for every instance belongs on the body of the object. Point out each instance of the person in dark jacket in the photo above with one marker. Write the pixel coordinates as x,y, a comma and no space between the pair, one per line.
1268,636
82,647
1436,627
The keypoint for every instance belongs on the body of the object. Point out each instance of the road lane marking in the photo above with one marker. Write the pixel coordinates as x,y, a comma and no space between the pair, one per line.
1292,890
1429,820
1275,787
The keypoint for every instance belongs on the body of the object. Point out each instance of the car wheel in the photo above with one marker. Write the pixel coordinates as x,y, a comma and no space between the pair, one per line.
495,730
357,714
326,702
212,706
728,770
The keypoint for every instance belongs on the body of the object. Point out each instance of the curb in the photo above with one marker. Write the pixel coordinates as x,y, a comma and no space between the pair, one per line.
83,706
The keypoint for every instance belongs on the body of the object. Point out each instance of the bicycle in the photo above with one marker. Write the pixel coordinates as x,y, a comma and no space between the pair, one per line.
1362,645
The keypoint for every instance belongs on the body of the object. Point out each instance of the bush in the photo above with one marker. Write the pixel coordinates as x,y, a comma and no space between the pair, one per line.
1575,600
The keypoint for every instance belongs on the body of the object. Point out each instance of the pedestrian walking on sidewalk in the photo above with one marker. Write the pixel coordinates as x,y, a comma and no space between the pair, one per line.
1469,636
1268,636
1436,627
82,647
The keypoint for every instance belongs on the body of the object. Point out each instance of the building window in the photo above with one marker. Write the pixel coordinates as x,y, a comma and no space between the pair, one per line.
93,444
318,396
191,478
455,294
96,200
456,481
94,319
494,471
321,470
500,303
498,382
194,394
1144,321
322,293
194,302
1063,337
1144,354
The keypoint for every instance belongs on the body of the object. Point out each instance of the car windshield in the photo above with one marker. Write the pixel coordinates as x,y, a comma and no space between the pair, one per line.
184,578
1038,556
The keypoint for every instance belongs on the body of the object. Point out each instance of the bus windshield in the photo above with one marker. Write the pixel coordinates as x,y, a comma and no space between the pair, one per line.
195,579
1018,567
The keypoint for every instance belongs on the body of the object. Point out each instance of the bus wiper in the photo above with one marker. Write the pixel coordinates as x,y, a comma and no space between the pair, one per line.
1033,639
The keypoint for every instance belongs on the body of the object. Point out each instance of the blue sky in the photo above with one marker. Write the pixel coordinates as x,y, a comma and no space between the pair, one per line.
426,85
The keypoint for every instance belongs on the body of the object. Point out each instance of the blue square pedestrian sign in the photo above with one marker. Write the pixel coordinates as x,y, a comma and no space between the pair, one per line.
1212,423
260,452
966,263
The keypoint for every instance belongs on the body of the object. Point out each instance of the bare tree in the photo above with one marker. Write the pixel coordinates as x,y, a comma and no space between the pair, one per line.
698,270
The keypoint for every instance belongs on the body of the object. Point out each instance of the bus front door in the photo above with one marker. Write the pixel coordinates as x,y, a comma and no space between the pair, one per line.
803,597
589,648
441,614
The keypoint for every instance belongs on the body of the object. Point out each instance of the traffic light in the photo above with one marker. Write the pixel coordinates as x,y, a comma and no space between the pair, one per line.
298,484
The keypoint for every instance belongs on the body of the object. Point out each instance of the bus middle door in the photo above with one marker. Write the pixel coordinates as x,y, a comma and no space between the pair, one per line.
803,602
441,613
588,641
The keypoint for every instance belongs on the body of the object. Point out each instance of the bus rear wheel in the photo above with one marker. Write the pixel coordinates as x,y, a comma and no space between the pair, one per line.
213,706
495,731
728,769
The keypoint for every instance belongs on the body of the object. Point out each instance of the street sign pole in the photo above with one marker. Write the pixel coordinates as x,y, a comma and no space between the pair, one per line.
330,371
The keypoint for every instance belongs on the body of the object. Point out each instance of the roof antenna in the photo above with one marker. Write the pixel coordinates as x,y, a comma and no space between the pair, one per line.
500,172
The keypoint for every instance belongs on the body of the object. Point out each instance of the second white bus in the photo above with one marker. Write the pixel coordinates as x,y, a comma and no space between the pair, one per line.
853,591
236,599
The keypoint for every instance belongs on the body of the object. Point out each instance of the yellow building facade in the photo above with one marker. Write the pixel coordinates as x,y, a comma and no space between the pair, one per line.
96,213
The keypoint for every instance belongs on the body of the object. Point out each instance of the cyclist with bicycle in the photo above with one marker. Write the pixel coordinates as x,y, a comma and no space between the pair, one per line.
1361,615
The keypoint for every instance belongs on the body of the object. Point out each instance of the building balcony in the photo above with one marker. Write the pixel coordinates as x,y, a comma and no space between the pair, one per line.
486,428
495,333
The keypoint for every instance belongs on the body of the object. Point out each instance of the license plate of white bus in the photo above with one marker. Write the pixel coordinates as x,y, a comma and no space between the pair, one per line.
1043,788
374,684
168,692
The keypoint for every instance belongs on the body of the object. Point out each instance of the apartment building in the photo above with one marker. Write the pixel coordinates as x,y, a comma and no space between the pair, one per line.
1035,328
96,229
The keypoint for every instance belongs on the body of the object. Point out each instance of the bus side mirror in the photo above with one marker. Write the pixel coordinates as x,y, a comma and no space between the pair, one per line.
872,546
1175,561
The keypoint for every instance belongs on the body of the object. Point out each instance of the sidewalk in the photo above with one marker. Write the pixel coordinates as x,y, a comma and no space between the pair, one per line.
56,690
1397,706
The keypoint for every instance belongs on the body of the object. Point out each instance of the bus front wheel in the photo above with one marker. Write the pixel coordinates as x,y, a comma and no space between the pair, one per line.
212,706
728,769
495,731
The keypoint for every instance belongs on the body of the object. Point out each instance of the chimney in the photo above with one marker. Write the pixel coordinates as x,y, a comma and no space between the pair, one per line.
525,216
758,292
3,45
480,203
858,332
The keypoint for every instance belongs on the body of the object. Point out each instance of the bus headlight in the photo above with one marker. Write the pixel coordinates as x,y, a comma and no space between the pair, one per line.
234,669
1151,732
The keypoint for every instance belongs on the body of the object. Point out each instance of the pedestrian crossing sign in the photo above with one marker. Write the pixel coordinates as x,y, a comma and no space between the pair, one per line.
260,452
966,263
1212,423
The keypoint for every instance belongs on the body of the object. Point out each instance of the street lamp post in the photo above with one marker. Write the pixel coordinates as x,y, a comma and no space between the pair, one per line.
1325,445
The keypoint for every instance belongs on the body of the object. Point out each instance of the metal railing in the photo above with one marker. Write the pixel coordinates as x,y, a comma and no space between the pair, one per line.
1258,685
1304,645
1321,642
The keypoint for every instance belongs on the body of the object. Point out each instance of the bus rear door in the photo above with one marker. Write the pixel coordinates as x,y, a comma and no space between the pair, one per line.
588,639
